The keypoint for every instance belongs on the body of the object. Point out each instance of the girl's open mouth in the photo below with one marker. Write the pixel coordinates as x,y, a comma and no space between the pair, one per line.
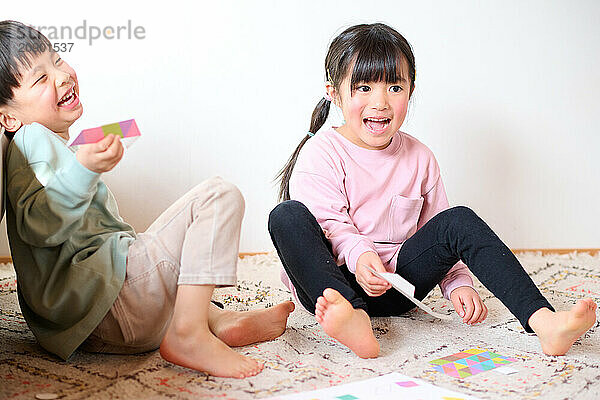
69,100
377,125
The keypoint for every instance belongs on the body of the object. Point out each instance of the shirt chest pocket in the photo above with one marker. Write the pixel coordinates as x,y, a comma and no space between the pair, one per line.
403,217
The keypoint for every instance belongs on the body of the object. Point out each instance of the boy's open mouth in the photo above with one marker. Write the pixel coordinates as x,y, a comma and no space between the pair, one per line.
376,125
68,98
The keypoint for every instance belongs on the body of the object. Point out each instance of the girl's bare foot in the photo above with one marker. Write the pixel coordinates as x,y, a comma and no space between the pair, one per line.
557,331
242,328
351,327
197,348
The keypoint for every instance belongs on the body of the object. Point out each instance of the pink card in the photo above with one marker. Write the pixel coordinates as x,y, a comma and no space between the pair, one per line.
128,130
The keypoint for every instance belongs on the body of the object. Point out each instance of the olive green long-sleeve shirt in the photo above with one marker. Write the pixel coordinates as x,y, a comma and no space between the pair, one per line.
68,243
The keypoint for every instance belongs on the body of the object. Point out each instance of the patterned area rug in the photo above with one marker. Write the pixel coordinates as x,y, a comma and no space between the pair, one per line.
304,358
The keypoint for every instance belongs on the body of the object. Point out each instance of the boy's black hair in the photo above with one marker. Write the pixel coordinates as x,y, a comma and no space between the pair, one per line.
19,43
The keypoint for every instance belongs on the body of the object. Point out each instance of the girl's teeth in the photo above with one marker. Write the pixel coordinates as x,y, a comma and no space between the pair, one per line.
376,124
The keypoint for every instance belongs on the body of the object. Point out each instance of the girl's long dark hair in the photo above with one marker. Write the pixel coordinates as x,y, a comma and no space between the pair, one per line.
377,52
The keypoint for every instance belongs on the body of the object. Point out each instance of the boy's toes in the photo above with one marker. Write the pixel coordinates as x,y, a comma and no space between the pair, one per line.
251,367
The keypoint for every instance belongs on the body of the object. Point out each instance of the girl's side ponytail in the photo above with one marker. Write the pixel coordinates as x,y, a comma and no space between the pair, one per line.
319,116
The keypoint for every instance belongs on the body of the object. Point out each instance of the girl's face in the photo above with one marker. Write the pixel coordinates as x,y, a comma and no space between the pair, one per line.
48,95
373,111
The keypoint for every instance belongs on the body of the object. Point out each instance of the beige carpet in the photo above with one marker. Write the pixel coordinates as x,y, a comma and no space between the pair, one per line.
304,358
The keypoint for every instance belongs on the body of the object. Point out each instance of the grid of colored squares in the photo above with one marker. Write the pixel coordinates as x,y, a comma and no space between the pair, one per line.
470,362
124,129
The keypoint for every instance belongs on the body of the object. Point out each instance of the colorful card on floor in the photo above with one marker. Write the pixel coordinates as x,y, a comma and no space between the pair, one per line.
470,362
388,386
408,290
127,130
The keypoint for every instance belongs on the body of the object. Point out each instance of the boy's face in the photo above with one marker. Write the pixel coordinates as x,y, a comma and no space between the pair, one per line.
48,95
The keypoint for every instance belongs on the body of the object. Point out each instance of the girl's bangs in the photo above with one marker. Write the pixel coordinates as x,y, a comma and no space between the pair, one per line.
382,62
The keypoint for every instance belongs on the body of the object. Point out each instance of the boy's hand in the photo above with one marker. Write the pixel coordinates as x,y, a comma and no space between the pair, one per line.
101,156
373,285
468,305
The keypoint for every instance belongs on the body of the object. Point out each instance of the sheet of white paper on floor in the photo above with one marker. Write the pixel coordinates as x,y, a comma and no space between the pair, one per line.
387,386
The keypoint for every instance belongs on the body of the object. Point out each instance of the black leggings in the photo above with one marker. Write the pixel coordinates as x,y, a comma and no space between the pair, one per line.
424,259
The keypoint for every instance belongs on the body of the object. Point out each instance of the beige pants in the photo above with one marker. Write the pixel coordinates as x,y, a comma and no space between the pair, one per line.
194,242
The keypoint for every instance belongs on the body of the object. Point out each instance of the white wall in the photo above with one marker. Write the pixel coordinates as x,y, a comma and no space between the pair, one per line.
507,98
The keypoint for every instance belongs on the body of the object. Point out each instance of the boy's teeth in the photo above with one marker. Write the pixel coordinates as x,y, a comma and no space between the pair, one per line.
68,97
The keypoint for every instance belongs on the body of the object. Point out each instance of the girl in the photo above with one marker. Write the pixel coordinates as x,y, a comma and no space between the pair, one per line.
84,276
366,195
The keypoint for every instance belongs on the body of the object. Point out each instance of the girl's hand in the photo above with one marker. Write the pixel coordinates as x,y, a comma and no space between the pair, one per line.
101,156
372,285
468,305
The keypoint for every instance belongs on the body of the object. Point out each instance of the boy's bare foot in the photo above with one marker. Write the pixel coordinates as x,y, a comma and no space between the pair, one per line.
197,348
351,327
558,331
242,328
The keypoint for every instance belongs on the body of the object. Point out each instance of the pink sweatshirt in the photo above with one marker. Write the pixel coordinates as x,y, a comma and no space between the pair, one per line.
371,200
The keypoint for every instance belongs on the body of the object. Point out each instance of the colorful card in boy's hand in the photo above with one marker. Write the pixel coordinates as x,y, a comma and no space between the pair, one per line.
408,290
127,130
